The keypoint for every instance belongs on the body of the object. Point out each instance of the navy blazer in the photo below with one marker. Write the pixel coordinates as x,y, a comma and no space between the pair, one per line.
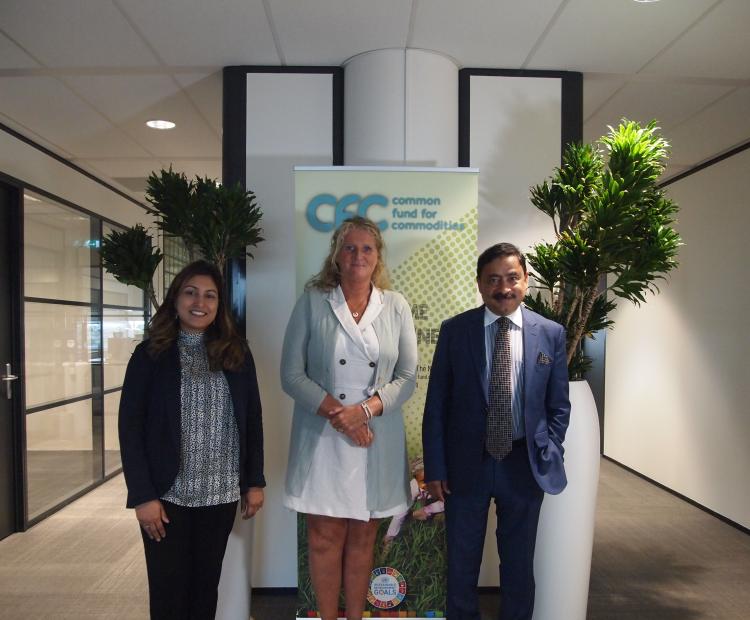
150,420
454,426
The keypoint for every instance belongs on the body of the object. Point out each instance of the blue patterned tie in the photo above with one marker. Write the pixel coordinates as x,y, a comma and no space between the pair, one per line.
499,416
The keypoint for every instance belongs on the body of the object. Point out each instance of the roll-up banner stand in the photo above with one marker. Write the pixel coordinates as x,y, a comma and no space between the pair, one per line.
428,217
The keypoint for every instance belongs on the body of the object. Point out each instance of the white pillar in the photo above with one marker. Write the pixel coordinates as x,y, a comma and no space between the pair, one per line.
401,109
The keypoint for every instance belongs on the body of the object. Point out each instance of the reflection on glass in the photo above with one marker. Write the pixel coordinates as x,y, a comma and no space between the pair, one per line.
60,458
116,293
176,257
123,330
57,248
111,439
58,354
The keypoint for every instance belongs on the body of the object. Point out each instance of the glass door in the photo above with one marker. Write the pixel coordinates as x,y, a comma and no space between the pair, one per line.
9,367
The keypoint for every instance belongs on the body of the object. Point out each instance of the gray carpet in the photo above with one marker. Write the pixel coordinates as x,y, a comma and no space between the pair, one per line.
655,558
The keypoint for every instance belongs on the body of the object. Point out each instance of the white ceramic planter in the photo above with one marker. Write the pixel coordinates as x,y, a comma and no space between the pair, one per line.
562,563
235,584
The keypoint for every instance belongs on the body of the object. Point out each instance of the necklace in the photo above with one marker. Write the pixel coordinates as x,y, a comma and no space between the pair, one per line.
357,309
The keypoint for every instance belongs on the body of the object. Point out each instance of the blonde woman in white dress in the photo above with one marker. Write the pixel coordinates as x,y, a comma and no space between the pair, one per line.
349,363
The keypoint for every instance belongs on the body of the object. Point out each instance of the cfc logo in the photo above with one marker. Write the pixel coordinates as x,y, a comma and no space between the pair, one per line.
326,212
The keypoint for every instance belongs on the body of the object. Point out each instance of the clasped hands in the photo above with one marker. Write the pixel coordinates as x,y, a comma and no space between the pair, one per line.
347,419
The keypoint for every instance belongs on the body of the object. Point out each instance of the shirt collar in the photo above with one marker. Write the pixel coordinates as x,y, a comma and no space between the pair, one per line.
336,296
516,317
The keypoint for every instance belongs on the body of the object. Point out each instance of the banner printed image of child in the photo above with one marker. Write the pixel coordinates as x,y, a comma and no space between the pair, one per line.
423,506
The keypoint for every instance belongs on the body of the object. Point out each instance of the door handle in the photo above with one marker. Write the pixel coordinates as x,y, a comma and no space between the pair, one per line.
8,378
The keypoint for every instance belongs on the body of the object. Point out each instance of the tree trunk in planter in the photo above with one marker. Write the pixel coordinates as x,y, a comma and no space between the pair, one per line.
562,562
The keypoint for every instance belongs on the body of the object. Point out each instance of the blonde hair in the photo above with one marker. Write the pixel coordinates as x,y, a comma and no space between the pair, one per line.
329,276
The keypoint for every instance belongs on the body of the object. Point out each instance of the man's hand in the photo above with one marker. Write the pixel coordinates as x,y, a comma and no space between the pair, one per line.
438,489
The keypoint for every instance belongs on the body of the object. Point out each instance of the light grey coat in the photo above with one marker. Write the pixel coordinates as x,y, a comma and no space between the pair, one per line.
307,375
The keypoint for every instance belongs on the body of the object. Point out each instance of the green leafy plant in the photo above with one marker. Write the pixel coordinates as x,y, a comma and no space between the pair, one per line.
214,221
613,229
131,257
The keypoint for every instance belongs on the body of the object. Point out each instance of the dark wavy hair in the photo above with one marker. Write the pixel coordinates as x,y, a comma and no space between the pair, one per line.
226,348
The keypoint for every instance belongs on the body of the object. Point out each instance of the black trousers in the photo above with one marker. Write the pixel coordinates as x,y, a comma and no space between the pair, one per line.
184,567
518,500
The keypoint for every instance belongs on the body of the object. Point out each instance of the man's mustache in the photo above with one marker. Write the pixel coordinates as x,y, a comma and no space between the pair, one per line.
499,296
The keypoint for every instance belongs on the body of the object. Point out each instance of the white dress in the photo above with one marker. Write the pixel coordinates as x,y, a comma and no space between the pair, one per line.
336,485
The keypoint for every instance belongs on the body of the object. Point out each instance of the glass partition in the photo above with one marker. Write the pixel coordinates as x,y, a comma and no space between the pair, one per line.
80,327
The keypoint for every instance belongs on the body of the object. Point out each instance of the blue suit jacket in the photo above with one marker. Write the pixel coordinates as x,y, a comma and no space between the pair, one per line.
454,424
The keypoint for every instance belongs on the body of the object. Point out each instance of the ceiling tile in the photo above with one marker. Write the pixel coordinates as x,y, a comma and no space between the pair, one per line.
328,32
617,36
69,122
205,91
31,134
208,34
482,33
105,142
668,103
122,97
196,167
192,137
714,130
718,46
13,57
123,167
596,90
75,33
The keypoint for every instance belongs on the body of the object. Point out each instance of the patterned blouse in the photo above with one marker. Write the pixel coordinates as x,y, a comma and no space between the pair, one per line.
209,452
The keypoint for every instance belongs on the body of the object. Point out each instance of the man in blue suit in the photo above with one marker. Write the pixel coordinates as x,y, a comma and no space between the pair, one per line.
495,418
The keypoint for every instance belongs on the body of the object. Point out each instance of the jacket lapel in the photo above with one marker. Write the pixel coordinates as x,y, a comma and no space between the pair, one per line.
476,344
173,400
530,334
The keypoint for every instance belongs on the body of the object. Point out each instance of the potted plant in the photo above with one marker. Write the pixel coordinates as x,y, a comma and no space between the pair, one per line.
215,222
614,239
131,257
613,229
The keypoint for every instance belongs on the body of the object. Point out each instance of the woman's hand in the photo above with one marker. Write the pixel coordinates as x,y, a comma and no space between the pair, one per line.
251,502
152,517
362,436
352,421
348,419
329,407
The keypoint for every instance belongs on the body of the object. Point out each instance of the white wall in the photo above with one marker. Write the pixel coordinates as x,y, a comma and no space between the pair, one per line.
515,143
288,123
677,370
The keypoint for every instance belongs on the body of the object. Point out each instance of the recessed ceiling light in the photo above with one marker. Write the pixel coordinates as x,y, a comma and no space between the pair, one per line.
645,1
158,124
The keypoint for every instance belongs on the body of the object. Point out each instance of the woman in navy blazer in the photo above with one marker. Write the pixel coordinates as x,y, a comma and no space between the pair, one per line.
191,439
